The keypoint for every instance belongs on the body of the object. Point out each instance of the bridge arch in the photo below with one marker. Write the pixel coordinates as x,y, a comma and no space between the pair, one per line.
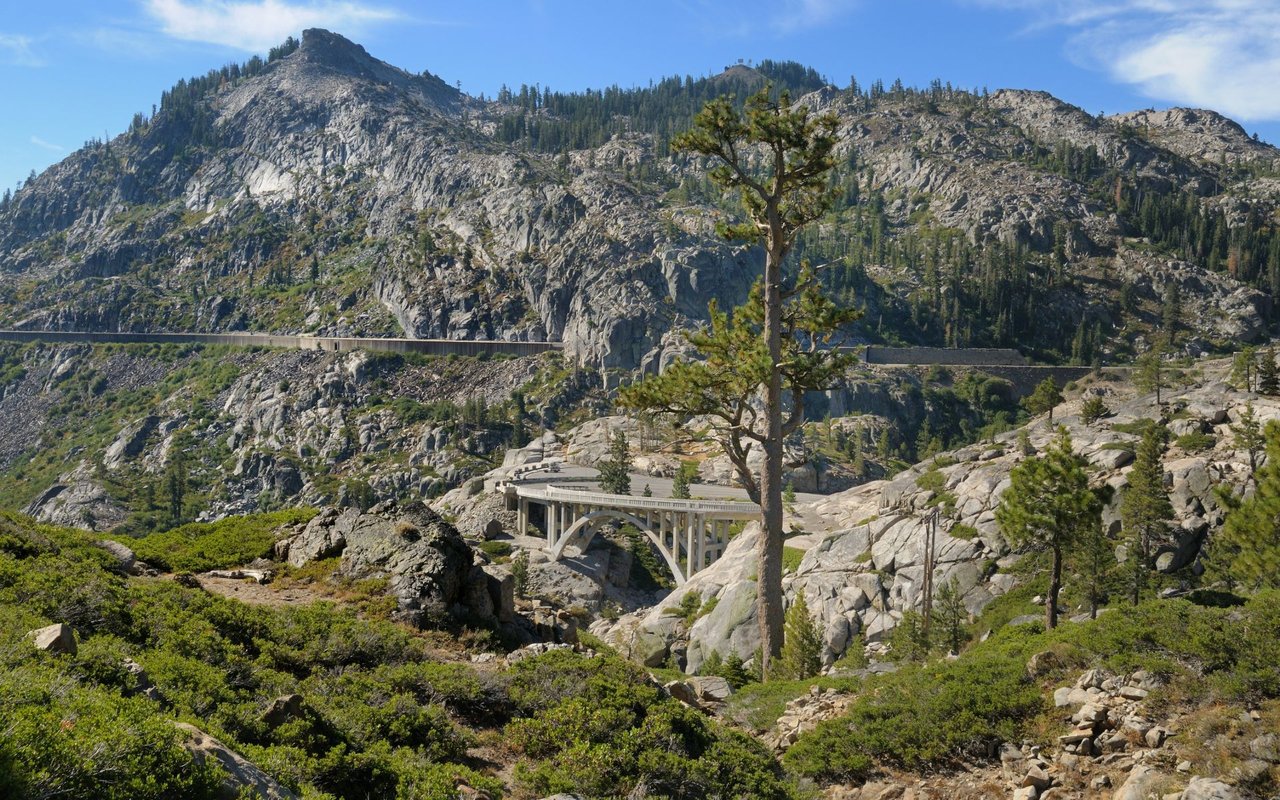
588,521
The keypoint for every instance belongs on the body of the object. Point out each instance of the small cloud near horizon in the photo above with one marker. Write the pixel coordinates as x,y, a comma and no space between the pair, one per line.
255,26
1218,54
46,145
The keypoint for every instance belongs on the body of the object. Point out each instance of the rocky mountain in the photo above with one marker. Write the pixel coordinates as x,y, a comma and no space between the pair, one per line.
326,191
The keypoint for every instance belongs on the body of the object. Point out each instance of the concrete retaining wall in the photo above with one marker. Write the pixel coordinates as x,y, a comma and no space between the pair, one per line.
438,347
959,356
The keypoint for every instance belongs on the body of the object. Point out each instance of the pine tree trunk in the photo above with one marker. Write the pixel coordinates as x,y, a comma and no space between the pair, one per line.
769,562
1055,585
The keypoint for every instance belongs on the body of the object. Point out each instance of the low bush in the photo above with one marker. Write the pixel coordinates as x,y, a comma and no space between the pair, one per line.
599,728
231,542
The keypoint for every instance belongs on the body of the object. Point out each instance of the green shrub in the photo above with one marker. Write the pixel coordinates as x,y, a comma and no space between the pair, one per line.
599,728
1137,428
791,558
88,742
1093,409
231,542
495,550
923,717
942,714
1195,442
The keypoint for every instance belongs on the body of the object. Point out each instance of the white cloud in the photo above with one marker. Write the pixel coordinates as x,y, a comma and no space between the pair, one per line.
1220,54
257,25
803,14
17,49
44,145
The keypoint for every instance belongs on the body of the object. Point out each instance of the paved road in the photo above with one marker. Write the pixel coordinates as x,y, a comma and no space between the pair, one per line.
661,487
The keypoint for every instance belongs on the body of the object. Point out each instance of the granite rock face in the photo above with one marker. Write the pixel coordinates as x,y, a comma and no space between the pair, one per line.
864,563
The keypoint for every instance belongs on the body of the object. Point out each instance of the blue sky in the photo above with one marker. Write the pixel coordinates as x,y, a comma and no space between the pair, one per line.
71,71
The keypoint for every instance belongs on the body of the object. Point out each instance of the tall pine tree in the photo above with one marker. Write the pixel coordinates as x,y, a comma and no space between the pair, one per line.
1049,507
1145,509
1248,547
802,643
615,471
1268,373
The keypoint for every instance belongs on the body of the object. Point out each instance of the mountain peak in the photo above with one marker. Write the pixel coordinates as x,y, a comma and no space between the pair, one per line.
333,50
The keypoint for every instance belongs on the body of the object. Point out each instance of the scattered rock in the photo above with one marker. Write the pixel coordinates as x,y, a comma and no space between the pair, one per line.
142,685
283,709
1209,789
56,638
1141,781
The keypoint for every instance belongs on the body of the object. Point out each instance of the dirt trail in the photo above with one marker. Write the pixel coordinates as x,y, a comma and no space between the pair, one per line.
248,591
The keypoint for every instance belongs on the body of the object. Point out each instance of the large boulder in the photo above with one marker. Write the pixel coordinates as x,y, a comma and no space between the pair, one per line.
1140,784
426,563
124,557
324,537
424,559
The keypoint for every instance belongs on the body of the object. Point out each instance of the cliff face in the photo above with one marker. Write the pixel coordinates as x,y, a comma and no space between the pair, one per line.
327,191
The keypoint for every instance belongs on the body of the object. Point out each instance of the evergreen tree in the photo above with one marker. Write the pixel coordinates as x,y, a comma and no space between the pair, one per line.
1248,437
1093,409
951,615
1268,374
910,639
883,445
684,476
615,471
176,480
859,459
1094,561
1248,548
1046,397
801,655
1150,375
1145,509
731,668
1244,366
1049,507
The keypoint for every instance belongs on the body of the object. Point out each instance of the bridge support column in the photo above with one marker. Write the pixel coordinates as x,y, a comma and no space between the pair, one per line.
688,548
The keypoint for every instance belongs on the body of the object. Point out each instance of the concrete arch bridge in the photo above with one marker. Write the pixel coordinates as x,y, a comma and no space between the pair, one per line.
690,534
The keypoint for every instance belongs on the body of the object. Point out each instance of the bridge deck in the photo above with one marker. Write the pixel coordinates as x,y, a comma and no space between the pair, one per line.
462,347
716,508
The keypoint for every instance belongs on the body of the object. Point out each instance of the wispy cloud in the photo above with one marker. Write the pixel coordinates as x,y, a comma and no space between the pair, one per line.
45,145
1220,54
256,25
797,15
17,49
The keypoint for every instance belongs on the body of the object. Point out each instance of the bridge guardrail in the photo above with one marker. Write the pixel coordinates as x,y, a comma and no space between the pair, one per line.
557,494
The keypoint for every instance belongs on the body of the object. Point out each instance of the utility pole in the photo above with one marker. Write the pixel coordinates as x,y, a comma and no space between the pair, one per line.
930,541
